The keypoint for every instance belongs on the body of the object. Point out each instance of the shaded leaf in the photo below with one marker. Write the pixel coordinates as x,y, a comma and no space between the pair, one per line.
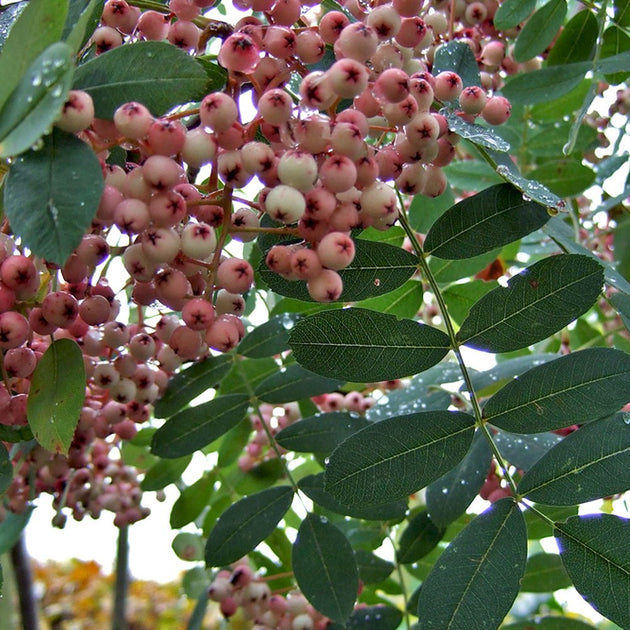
37,100
12,527
595,550
246,524
622,12
538,528
418,539
189,383
372,568
544,573
157,74
245,375
360,345
321,433
482,136
549,142
523,451
467,175
325,568
424,211
39,25
405,301
193,428
616,41
397,456
51,195
512,12
457,57
478,224
553,110
377,269
294,383
446,271
191,502
541,86
269,338
56,395
540,30
83,17
560,287
313,487
476,579
577,40
6,469
448,497
378,617
460,298
564,177
549,623
590,463
574,388
164,473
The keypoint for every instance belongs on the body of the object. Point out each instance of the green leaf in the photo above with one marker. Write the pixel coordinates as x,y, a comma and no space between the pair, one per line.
191,502
12,527
377,269
321,433
246,524
360,345
476,579
157,74
193,428
542,86
418,539
540,30
37,100
6,469
39,25
325,568
52,194
269,338
536,303
577,40
564,177
164,473
478,224
512,12
482,136
622,12
616,41
446,271
549,142
56,395
544,573
372,568
83,18
523,451
549,623
378,617
189,383
575,388
405,301
551,111
596,554
467,175
313,488
424,211
538,528
294,383
532,189
563,235
245,375
398,456
588,464
460,298
448,497
456,56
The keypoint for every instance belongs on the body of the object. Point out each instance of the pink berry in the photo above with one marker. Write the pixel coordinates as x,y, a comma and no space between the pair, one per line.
326,286
14,330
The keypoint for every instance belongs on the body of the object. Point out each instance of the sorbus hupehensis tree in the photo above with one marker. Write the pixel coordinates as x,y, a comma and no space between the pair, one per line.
307,213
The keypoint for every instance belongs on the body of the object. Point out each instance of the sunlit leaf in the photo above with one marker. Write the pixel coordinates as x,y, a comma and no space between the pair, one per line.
512,12
576,41
544,573
164,472
269,338
56,395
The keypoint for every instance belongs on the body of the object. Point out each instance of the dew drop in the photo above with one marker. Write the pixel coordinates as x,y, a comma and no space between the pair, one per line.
36,81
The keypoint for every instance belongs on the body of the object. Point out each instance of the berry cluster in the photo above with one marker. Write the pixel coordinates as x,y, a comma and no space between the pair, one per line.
241,589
